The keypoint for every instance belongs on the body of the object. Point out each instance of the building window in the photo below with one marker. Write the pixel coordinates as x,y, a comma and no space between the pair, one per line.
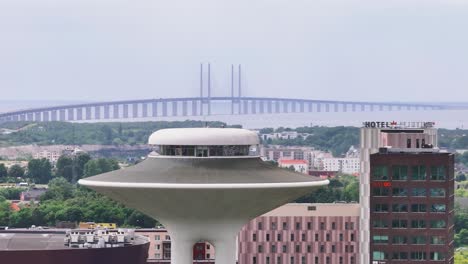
267,237
309,225
333,249
419,192
380,223
379,255
292,237
303,237
285,225
438,173
316,237
273,225
341,237
437,240
298,248
309,248
208,246
260,225
438,224
327,260
158,246
418,208
327,237
400,255
316,260
298,225
333,225
399,208
352,237
418,255
168,237
380,173
267,260
157,237
418,240
437,255
285,248
400,173
417,143
378,239
418,223
341,260
379,191
380,208
438,208
303,260
408,142
208,256
437,192
351,260
254,237
278,237
254,260
322,248
278,260
399,240
399,223
322,225
418,173
311,208
273,248
400,192
260,248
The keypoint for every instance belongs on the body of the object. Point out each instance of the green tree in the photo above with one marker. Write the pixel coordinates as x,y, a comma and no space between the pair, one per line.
79,162
3,171
5,211
98,166
140,220
59,189
16,171
40,170
21,218
65,167
460,177
461,238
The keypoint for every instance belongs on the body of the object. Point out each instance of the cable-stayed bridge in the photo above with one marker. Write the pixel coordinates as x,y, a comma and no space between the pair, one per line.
206,105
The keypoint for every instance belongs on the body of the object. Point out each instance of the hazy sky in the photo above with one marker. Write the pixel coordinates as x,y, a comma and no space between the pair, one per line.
409,50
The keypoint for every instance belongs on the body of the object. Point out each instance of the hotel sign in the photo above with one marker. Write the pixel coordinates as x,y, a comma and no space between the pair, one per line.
394,124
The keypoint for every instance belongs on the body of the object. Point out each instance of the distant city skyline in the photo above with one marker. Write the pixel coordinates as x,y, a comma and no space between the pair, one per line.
338,50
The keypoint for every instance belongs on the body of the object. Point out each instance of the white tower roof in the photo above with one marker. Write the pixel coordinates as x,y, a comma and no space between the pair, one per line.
204,137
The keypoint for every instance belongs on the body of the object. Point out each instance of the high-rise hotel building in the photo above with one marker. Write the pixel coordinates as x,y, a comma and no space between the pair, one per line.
374,135
411,201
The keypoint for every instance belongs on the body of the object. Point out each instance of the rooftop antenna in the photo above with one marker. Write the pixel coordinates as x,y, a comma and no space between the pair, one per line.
240,80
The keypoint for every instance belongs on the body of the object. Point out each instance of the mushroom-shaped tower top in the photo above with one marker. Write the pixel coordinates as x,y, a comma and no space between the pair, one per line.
204,136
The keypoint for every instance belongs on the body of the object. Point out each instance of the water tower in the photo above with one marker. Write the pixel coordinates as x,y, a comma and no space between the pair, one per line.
203,184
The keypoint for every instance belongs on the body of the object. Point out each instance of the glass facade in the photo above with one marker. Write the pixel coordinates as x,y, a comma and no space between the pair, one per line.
207,151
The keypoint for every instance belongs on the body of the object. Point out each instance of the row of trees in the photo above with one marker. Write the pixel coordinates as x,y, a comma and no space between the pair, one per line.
72,168
343,188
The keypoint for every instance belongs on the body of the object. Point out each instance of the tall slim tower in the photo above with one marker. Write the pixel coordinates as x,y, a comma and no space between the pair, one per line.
373,136
203,184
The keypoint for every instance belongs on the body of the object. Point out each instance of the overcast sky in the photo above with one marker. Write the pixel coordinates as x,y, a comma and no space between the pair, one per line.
411,50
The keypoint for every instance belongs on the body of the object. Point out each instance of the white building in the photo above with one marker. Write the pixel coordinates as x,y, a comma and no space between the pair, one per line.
52,156
298,165
203,184
344,165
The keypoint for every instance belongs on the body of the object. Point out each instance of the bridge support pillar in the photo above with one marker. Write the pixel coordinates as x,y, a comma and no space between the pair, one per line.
116,111
327,107
310,107
293,106
144,109
269,106
174,108
62,114
70,114
336,107
371,107
88,113
97,112
301,107
381,108
53,115
79,113
125,111
285,107
319,107
184,108
353,107
277,107
245,109
135,110
106,112
194,108
37,117
154,109
261,110
164,108
22,117
253,105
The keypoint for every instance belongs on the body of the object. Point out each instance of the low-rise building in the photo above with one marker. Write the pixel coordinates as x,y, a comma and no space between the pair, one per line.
32,194
302,233
51,156
343,165
298,165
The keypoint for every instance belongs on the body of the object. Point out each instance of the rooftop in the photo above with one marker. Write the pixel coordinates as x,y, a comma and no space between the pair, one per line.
316,209
204,137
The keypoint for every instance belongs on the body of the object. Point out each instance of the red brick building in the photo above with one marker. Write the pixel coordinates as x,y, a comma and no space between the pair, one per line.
411,203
